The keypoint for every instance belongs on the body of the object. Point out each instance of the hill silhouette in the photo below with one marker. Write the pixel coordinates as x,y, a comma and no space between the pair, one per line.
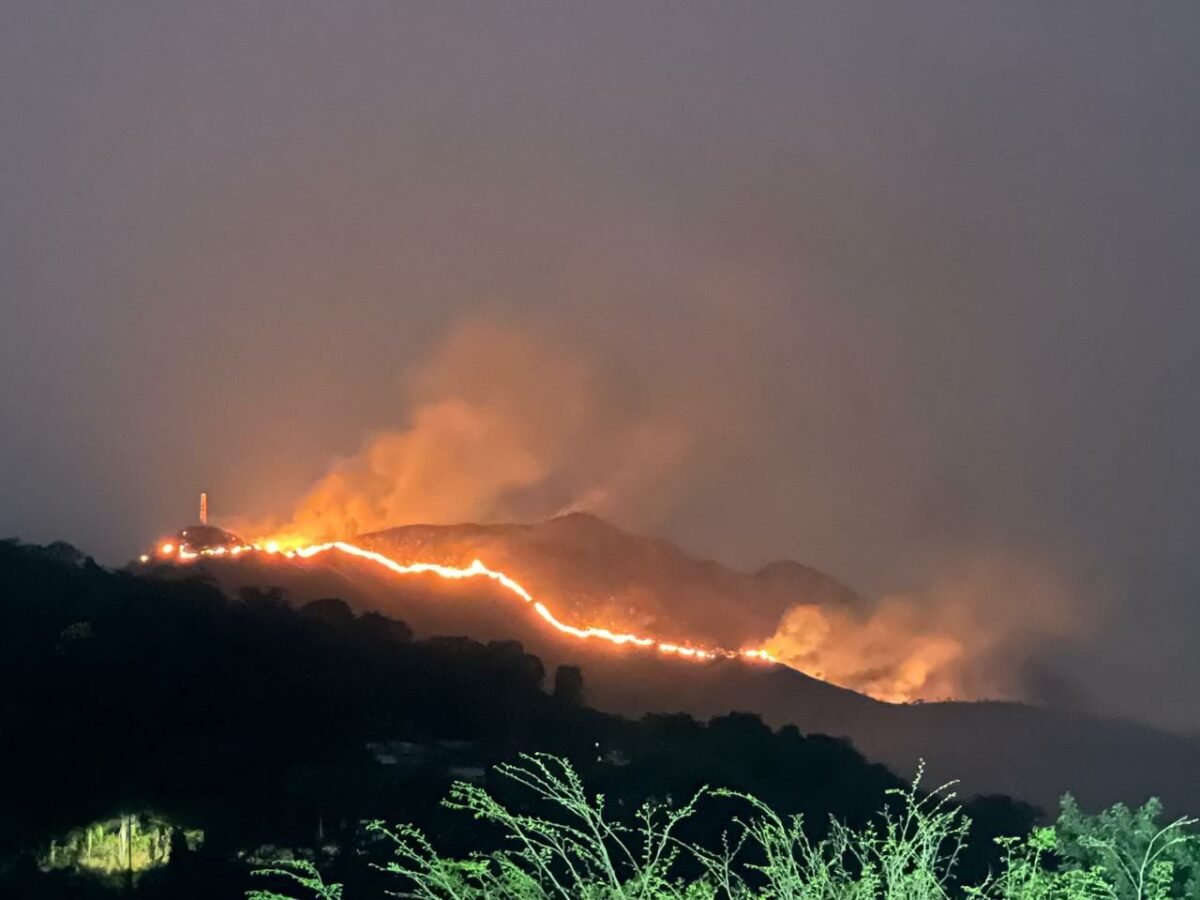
270,727
1032,752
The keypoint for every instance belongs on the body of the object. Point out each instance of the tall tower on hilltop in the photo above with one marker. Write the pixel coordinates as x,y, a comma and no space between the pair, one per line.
203,508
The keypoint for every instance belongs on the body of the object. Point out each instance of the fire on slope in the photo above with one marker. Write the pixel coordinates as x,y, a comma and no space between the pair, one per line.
184,553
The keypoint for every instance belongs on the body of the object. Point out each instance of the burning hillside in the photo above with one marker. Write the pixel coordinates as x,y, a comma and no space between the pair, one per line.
168,551
598,572
898,649
995,747
505,424
587,580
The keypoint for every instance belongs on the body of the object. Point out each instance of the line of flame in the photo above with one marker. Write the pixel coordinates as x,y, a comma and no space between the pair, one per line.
478,570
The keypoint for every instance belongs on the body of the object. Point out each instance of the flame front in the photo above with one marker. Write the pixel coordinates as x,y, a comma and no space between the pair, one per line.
478,570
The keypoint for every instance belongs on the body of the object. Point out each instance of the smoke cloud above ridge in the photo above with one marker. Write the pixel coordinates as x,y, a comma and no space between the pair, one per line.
507,423
514,423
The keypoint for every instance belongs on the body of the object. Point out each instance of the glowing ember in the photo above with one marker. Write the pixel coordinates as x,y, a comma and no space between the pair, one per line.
478,570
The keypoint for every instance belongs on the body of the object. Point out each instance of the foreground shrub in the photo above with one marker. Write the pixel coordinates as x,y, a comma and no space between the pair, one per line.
563,844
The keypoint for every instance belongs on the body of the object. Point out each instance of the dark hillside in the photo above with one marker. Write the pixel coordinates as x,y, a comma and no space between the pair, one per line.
260,723
1033,752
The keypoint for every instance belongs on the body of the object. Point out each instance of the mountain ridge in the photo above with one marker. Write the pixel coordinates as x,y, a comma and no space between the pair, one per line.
1032,752
597,573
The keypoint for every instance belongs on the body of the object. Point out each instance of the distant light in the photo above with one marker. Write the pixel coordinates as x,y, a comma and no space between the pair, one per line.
144,558
272,546
167,549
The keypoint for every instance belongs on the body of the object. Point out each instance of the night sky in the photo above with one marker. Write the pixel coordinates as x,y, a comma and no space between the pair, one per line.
900,290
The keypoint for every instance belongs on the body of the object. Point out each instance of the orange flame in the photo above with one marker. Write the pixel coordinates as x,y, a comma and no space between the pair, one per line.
478,570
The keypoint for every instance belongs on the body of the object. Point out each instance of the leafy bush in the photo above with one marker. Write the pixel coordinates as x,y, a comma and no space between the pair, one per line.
561,843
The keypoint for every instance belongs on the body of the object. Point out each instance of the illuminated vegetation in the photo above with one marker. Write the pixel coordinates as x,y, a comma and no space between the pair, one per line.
130,843
559,842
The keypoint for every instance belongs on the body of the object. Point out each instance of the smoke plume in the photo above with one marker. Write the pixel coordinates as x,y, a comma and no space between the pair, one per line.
508,423
975,633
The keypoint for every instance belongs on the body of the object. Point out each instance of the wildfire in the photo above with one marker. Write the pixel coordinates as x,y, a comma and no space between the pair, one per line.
475,570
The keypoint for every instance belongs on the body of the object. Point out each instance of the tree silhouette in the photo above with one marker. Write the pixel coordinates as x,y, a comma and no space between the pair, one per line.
568,685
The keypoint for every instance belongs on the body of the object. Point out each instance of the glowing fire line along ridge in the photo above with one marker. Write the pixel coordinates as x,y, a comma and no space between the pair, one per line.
478,570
